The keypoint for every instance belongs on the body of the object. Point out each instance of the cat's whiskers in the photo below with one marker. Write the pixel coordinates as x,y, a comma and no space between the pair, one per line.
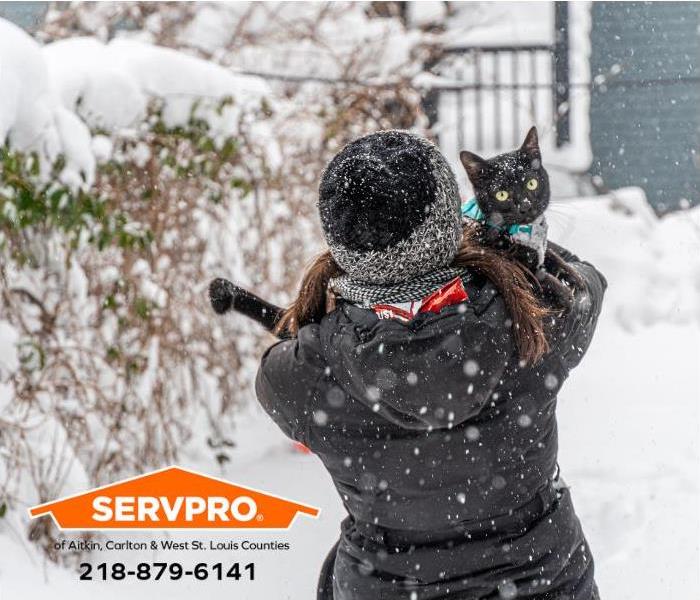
562,204
558,218
564,218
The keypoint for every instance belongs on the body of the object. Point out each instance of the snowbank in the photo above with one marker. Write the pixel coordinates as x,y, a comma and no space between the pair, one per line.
652,264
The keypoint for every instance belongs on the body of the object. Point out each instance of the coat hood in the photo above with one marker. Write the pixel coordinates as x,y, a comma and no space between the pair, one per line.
433,372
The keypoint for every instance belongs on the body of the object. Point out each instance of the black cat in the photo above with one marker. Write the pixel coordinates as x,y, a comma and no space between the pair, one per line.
511,189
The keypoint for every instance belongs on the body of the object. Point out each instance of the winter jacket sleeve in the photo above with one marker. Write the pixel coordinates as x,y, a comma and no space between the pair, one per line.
287,381
574,332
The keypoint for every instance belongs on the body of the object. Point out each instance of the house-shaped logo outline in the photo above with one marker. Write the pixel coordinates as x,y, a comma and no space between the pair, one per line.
189,476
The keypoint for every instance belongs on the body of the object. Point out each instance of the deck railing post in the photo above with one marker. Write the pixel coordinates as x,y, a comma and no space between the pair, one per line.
560,60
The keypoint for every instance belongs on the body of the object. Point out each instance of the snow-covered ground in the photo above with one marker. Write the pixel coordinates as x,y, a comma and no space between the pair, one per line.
628,434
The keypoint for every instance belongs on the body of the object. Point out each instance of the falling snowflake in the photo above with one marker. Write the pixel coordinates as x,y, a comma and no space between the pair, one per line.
524,420
471,368
498,482
320,417
335,397
373,393
473,433
550,381
507,590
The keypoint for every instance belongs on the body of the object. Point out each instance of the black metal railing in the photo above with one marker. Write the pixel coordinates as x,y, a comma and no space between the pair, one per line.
493,92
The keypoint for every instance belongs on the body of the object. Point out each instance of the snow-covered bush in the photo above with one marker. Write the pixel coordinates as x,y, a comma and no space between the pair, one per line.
131,174
110,351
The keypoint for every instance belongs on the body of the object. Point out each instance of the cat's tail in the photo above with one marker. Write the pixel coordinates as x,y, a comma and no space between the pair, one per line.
225,296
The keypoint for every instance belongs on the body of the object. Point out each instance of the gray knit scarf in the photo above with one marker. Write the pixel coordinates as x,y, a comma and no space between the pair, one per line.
416,288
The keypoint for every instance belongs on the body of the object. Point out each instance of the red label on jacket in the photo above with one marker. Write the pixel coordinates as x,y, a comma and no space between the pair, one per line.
450,293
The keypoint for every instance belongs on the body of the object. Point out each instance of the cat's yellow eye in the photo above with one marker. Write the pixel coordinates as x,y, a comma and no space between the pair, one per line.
502,195
532,184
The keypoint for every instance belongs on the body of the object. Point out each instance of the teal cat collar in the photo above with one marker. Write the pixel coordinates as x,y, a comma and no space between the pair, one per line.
471,210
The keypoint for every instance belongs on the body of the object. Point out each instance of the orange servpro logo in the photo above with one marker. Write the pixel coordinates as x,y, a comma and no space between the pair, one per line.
173,498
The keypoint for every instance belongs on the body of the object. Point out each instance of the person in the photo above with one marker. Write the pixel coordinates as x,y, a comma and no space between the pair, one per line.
424,372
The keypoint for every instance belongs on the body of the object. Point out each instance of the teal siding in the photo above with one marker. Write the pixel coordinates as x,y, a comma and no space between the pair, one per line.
27,15
646,133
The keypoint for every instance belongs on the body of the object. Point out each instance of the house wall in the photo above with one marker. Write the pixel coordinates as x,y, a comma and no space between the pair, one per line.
25,14
646,133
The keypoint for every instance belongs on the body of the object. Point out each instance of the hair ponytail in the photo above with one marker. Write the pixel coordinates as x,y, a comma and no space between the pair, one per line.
515,283
513,280
313,298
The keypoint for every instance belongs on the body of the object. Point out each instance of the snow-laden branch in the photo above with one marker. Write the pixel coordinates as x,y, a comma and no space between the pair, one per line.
55,96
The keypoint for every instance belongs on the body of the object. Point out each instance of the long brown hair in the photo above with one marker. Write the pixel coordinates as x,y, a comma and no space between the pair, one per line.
513,280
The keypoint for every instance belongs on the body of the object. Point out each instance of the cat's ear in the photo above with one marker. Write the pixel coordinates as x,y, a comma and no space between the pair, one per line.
531,145
474,165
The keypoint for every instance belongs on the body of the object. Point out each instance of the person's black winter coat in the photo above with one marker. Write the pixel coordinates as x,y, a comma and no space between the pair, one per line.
442,445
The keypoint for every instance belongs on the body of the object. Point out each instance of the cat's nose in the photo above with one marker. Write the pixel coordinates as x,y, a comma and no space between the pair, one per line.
525,205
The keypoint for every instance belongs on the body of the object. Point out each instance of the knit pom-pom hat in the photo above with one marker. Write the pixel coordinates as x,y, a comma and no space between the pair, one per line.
390,208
